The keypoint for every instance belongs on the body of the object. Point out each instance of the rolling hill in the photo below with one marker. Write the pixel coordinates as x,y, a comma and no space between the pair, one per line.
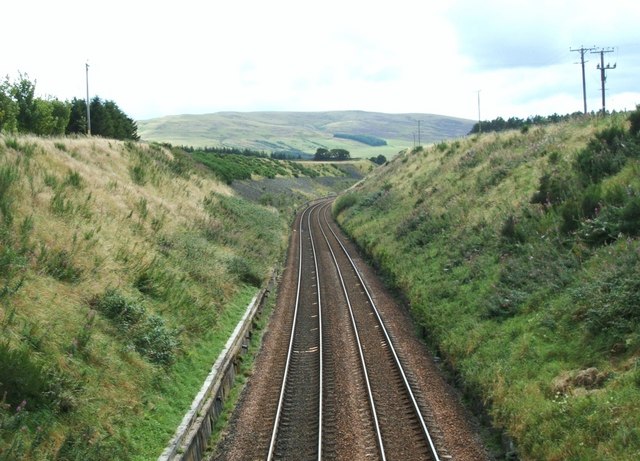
303,131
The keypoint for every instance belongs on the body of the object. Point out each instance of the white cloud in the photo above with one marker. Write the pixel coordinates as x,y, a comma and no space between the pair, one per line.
195,56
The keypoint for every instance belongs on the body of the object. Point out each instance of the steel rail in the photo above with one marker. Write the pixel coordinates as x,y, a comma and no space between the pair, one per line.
276,423
416,408
359,344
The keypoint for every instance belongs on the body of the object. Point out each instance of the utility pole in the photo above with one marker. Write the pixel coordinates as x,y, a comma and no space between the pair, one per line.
603,75
419,133
479,119
88,103
582,51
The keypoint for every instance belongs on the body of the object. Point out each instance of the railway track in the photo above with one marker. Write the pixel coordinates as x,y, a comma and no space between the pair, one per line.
344,392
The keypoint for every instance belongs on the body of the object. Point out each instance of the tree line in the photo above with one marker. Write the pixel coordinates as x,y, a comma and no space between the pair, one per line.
323,154
516,123
22,112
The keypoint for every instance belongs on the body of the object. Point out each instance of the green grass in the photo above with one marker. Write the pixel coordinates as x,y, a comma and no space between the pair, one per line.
518,253
100,377
172,394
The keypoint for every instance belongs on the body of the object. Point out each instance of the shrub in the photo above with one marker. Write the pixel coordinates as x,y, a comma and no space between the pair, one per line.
243,269
592,201
153,340
343,202
602,229
511,232
604,155
571,216
555,187
20,378
148,333
630,219
634,120
116,307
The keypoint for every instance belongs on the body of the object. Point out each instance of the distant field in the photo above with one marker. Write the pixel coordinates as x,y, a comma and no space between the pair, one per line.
303,131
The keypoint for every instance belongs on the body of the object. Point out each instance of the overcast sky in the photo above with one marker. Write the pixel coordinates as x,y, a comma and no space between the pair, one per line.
156,58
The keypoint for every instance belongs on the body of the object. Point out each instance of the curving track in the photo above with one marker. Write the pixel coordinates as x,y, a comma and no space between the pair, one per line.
332,379
344,388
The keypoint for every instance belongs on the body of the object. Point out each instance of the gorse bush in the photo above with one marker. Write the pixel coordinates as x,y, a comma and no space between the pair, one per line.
147,333
606,154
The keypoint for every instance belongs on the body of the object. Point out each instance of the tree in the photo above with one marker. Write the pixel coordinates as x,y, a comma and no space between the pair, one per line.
107,120
379,160
333,154
23,92
49,117
8,108
634,119
78,117
321,154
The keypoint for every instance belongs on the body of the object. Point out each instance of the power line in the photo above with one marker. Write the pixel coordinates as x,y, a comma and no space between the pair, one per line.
603,69
88,105
582,51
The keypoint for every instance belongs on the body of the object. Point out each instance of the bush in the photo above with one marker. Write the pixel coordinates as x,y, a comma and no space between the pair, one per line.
343,202
512,233
153,340
634,120
571,217
116,307
630,219
242,268
605,155
555,187
148,333
20,378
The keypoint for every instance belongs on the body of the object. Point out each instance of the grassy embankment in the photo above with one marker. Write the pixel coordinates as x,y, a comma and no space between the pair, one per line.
519,255
123,269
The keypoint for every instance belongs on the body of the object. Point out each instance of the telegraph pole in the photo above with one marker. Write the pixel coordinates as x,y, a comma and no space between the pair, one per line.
419,133
603,75
582,51
88,103
479,119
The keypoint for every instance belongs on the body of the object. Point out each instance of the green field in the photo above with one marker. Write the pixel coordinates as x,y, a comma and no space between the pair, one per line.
303,131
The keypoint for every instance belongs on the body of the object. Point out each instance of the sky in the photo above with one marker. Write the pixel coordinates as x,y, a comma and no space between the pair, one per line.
458,58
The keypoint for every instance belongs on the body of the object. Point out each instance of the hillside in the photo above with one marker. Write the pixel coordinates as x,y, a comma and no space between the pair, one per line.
124,267
303,131
519,254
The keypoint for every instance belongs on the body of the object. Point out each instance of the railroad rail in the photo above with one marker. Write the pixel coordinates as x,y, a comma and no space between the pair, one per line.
343,376
298,417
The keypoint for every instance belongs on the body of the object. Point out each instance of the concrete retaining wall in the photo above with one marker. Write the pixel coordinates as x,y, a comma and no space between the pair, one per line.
192,436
